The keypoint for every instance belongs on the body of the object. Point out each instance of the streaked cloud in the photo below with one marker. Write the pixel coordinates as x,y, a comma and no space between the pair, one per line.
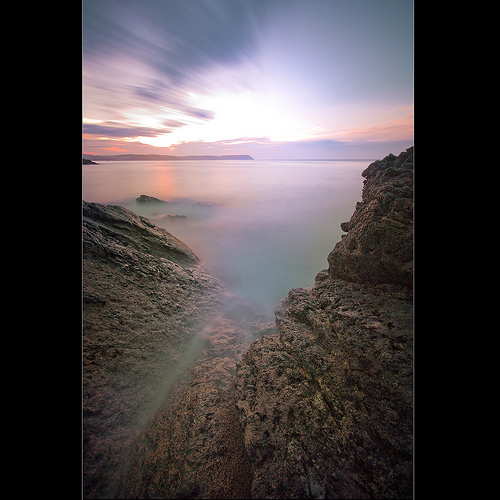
110,129
401,128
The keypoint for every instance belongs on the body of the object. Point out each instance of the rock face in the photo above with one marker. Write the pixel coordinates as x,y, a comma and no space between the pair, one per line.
326,405
378,247
146,298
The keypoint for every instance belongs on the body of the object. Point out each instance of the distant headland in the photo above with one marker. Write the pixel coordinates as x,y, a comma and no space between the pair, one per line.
135,157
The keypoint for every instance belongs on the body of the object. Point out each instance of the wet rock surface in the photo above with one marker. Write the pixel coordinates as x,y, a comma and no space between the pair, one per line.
194,447
150,200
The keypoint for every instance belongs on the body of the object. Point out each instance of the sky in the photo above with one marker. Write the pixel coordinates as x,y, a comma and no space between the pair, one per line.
275,79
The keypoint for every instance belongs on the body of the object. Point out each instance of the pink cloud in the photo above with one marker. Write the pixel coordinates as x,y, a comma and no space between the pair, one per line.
393,130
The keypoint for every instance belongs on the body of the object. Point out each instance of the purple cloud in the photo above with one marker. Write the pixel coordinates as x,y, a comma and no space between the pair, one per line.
109,129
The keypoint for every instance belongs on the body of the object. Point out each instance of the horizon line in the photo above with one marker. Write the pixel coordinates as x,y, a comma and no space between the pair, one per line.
221,156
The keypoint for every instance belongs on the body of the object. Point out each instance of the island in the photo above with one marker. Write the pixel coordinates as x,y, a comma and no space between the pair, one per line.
153,157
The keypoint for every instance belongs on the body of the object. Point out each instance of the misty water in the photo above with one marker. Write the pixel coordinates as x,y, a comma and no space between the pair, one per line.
263,226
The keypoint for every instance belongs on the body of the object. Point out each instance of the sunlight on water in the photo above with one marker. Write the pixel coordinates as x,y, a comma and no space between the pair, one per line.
263,226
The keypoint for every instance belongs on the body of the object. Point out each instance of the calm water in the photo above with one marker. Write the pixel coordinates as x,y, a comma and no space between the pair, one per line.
263,226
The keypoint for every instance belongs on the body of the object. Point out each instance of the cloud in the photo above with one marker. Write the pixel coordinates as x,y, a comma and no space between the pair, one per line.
116,146
112,130
399,129
176,38
174,99
263,148
204,114
148,93
173,123
149,54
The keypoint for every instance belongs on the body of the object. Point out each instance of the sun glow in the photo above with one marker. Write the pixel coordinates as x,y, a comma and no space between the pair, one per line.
91,121
241,115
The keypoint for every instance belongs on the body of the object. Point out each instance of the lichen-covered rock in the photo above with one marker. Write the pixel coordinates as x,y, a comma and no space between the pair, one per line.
378,247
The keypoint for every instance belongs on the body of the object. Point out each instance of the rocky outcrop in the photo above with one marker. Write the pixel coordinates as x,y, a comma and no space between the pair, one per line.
187,394
378,247
326,405
144,198
146,298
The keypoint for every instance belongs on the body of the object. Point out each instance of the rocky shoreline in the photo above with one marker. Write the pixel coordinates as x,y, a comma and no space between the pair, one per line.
188,394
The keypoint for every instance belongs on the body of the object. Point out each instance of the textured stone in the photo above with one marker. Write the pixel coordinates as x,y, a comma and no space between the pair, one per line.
326,405
379,245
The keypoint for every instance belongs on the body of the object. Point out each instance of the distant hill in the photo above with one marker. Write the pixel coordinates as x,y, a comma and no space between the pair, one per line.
133,157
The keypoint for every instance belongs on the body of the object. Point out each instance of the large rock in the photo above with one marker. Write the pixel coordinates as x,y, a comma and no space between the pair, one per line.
146,298
327,404
378,247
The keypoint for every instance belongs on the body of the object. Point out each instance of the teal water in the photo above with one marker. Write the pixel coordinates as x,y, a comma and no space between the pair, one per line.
263,226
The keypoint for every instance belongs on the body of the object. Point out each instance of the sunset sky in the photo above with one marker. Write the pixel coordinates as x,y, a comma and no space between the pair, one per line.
268,78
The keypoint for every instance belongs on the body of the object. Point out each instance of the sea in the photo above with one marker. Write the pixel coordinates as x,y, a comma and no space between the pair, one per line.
262,226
